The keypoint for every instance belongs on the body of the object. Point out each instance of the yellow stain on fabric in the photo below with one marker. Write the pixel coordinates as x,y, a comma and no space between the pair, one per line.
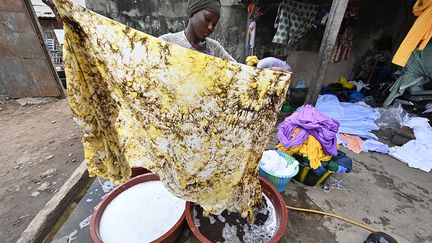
311,149
201,123
419,34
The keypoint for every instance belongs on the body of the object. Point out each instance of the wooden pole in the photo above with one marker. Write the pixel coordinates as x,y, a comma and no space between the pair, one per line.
334,21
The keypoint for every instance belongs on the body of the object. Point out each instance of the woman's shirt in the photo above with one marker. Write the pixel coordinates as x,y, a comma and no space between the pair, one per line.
213,47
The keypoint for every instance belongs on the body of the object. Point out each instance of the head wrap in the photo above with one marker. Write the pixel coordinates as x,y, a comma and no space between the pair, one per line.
197,5
252,60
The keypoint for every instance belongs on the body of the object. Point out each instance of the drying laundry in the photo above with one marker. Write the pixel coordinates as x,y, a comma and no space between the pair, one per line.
201,123
354,143
354,119
419,34
416,153
293,20
375,146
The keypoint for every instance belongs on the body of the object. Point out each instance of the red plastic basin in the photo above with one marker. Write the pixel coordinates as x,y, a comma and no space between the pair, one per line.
273,195
168,237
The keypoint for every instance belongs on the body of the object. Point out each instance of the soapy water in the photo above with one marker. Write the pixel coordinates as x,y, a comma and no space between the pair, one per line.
232,228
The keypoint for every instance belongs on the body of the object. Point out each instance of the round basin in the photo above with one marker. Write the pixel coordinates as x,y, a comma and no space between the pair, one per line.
207,229
97,233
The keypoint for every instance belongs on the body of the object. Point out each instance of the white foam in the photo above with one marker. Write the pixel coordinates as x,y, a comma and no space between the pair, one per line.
229,233
212,219
271,161
142,213
263,232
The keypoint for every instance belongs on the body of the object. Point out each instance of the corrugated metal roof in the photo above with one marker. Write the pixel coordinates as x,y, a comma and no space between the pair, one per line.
43,11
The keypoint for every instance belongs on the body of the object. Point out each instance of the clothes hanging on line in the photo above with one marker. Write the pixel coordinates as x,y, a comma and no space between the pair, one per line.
293,20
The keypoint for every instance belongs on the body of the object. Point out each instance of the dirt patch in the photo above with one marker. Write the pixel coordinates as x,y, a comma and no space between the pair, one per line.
40,148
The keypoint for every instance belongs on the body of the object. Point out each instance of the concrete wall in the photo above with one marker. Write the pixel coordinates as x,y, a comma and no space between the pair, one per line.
375,19
24,68
157,17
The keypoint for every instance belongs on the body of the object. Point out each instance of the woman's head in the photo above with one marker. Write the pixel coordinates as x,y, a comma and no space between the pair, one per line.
204,15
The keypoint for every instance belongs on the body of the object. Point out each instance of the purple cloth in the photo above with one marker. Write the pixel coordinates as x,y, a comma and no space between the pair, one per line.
310,121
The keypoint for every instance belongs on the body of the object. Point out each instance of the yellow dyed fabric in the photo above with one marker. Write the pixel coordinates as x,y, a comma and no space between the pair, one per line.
311,149
201,123
419,35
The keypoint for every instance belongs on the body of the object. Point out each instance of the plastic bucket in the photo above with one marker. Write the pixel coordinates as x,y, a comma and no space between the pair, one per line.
280,182
308,177
274,196
168,237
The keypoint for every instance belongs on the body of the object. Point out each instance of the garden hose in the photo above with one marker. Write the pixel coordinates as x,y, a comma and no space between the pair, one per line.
334,216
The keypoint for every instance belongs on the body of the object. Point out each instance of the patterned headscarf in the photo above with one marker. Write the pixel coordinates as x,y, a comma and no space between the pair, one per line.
197,5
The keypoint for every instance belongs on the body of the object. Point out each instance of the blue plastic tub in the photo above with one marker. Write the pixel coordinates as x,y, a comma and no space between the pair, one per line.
280,182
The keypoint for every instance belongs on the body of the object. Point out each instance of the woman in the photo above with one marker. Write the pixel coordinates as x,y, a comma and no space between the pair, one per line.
203,17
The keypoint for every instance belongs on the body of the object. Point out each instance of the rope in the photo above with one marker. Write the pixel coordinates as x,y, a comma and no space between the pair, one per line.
334,216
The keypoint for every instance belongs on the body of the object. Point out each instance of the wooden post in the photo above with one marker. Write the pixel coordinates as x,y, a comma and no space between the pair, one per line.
334,21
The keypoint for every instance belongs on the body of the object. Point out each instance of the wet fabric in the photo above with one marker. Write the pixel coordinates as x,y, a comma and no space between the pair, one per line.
199,122
309,121
418,71
419,34
293,20
354,119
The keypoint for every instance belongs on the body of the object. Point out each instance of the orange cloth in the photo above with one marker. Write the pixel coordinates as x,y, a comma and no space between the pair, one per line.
311,148
353,142
419,35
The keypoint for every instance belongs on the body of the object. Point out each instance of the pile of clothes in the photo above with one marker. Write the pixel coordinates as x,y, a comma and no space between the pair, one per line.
311,137
357,121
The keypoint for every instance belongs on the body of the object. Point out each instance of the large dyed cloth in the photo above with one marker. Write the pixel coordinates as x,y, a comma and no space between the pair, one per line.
201,123
310,122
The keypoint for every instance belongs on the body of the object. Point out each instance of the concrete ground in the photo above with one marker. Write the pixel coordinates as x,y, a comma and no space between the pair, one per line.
380,192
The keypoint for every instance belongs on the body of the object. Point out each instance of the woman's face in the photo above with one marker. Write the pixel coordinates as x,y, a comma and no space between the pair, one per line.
203,23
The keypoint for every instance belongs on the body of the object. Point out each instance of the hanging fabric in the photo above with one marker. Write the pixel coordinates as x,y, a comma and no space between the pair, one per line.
293,20
199,122
419,34
344,41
